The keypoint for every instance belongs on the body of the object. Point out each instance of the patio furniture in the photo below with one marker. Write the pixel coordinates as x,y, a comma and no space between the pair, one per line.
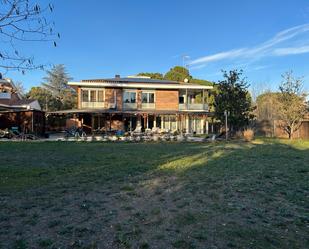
113,138
180,138
155,137
155,130
137,131
76,132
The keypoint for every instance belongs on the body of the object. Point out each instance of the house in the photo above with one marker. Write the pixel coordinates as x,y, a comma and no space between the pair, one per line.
16,111
138,102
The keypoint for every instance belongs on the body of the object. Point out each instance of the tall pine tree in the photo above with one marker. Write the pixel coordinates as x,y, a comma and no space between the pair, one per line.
56,83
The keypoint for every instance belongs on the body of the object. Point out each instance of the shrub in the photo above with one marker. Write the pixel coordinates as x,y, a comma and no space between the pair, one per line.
248,135
239,135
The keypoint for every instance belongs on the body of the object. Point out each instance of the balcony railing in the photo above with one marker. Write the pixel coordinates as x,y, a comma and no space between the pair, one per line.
129,106
93,105
148,106
96,105
193,107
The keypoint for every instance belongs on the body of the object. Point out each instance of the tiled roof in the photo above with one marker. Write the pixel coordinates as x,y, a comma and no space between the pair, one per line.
16,102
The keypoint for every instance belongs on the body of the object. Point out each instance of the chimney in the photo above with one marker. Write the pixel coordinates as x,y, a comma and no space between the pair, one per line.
117,76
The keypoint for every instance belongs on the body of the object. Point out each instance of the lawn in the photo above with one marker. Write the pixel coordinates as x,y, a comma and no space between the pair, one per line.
160,195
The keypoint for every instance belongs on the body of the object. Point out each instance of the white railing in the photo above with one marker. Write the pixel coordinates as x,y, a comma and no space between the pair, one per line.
193,107
129,106
93,105
148,106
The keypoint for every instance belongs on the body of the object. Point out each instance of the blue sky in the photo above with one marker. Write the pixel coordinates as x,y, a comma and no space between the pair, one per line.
99,39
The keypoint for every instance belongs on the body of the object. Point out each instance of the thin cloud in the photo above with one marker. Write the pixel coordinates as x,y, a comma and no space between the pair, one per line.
219,56
291,50
268,48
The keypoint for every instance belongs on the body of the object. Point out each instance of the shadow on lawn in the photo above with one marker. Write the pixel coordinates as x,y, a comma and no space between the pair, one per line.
247,194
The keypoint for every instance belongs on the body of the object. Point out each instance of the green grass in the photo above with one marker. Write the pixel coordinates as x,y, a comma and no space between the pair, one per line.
156,195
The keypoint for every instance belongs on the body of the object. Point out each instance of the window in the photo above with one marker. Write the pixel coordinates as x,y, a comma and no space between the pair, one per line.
147,97
129,97
181,100
93,96
85,95
100,96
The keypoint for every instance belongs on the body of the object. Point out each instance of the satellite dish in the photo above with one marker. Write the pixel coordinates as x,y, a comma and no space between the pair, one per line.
185,80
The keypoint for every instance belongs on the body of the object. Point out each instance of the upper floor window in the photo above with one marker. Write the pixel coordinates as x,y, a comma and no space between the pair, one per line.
148,97
129,97
100,95
92,95
85,95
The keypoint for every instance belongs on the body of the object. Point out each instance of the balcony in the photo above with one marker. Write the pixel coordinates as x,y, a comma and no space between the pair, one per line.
193,107
129,106
148,106
97,105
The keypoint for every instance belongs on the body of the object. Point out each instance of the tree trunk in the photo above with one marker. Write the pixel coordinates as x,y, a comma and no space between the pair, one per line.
291,134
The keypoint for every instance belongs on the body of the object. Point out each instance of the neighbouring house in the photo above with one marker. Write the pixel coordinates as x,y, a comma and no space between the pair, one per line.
16,111
139,103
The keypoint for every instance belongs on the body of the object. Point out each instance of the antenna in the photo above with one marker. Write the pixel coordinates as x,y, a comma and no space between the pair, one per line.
184,58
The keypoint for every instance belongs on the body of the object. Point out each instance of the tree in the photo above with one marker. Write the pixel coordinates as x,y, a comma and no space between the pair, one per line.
292,105
20,89
267,106
47,101
56,83
23,21
266,112
201,82
157,76
178,73
233,96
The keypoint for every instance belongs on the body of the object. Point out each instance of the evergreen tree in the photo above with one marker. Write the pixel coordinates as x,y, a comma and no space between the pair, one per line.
178,73
47,101
56,83
157,76
233,96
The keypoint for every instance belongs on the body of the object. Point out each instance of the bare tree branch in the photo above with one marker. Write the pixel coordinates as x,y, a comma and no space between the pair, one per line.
23,21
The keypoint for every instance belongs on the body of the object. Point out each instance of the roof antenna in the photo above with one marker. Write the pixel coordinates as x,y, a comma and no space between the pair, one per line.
184,58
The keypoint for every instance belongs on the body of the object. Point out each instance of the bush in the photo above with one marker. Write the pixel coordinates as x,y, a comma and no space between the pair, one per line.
239,135
248,135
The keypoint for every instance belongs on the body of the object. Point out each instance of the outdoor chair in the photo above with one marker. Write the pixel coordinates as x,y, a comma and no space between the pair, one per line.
137,131
155,130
